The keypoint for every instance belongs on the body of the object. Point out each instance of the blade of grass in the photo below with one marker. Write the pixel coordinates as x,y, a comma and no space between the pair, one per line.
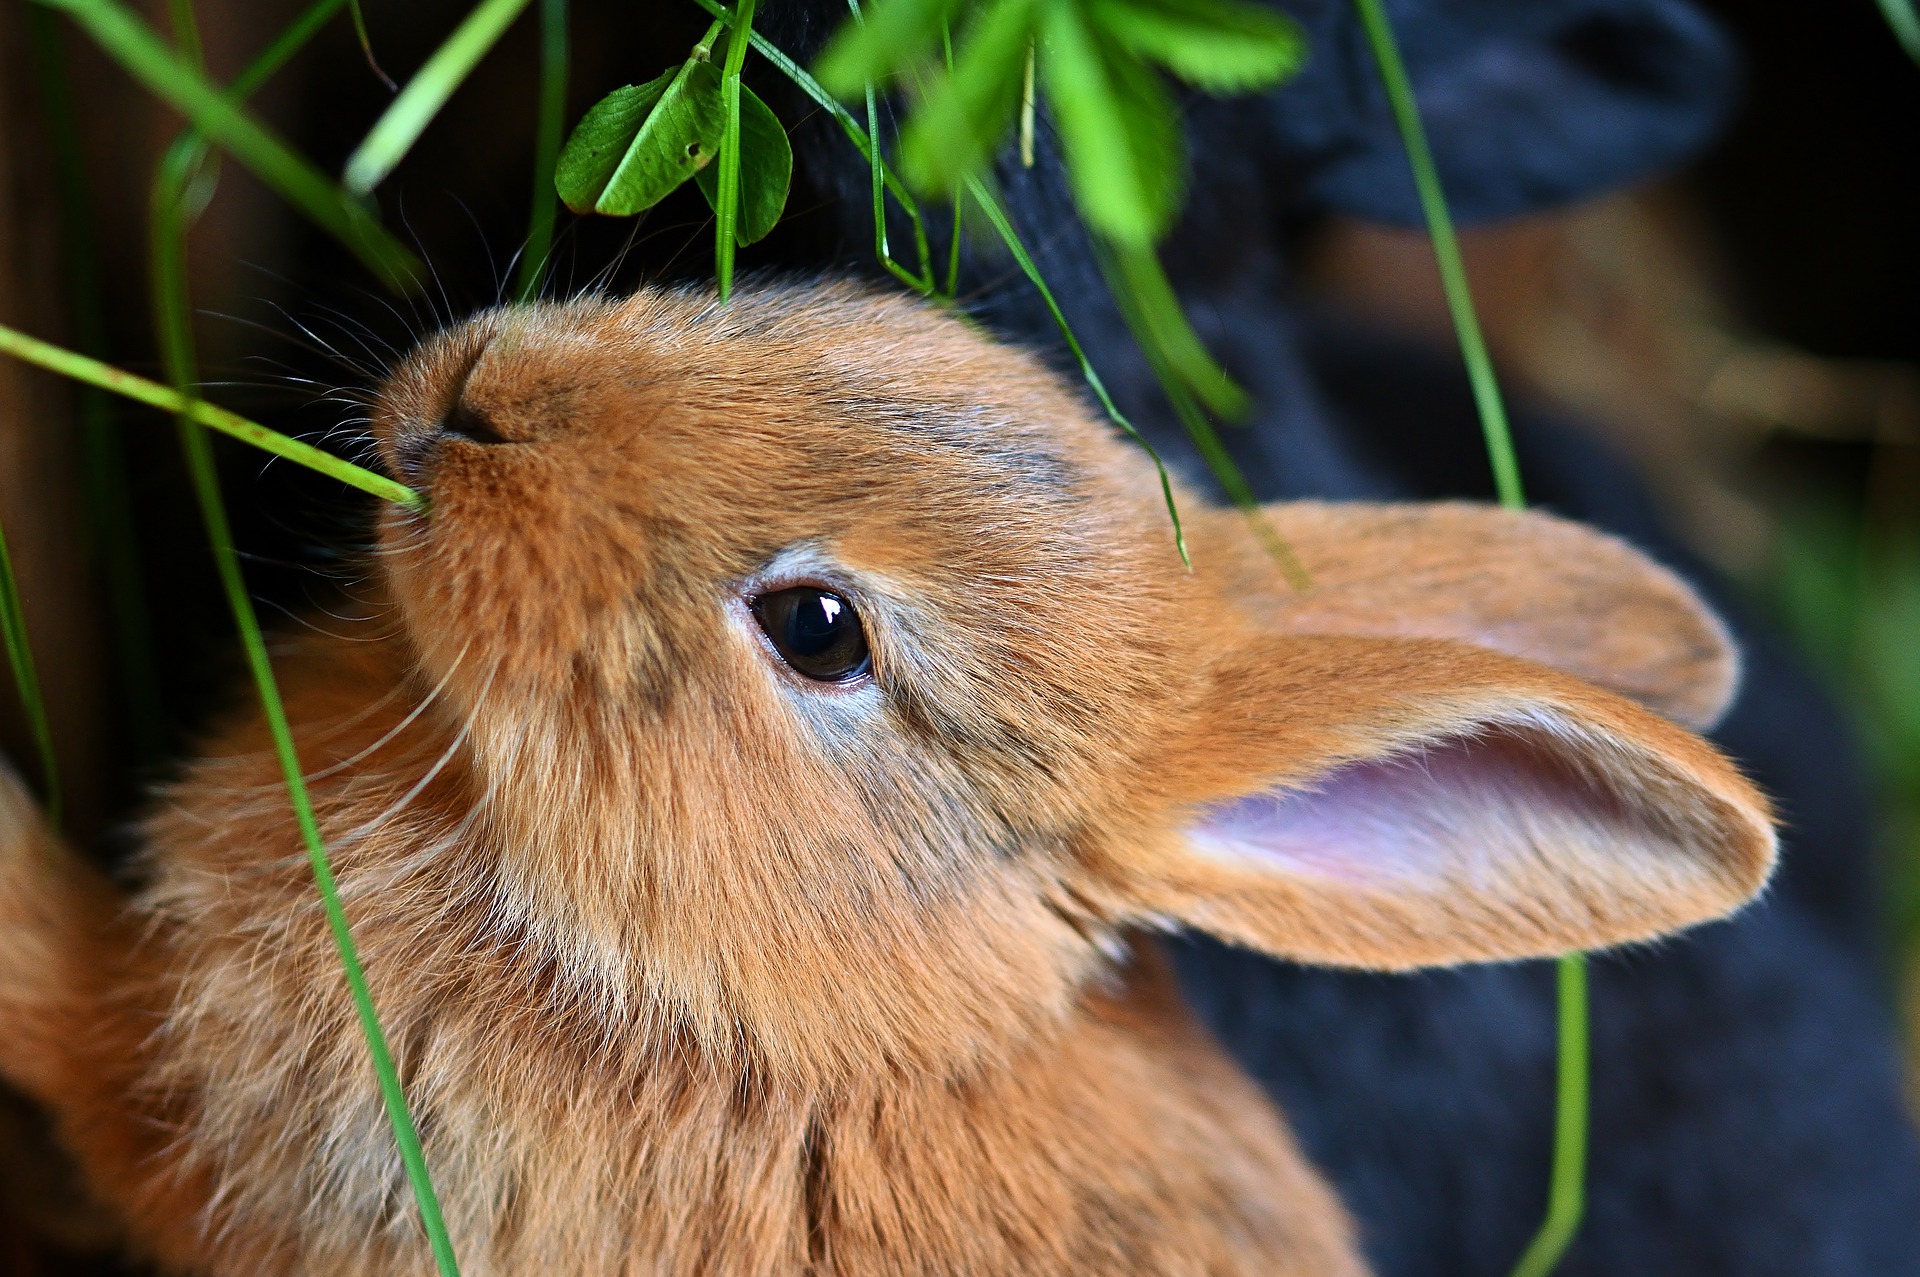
1219,461
1003,226
366,45
921,283
144,56
79,367
728,212
103,461
172,315
550,131
1905,22
959,195
26,679
1566,1192
1446,251
1566,1200
395,132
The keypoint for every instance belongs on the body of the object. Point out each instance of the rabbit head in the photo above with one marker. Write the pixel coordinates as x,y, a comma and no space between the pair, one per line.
828,681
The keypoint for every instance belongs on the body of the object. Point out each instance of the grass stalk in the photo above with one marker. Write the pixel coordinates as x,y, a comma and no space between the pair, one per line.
1905,22
103,463
1566,1193
1566,1201
550,131
408,115
142,54
1446,252
173,318
1003,227
726,221
82,368
26,679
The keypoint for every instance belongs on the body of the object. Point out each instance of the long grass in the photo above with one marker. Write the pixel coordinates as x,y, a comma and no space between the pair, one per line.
1566,1190
407,117
26,679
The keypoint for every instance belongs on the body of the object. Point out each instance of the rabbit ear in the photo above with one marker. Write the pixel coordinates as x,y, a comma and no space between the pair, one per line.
1516,581
1391,803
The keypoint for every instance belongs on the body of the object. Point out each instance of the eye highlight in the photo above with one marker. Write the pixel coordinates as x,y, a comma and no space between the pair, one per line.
816,632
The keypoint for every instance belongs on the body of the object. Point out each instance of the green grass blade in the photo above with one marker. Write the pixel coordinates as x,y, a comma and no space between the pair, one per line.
952,287
395,132
1219,461
79,367
1566,1194
366,45
883,181
1905,22
112,538
727,212
1003,227
284,46
13,630
550,132
172,315
133,44
1566,1201
1446,251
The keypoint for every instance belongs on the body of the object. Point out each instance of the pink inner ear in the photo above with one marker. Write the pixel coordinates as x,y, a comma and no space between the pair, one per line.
1461,811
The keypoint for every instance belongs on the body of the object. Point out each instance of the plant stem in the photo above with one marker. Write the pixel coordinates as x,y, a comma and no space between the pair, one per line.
1905,23
1026,108
1003,226
1566,1195
552,125
1566,1201
143,55
172,315
81,368
408,115
1446,252
103,460
13,630
727,215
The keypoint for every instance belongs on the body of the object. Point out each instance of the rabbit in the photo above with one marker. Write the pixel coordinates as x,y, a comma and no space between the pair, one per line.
755,779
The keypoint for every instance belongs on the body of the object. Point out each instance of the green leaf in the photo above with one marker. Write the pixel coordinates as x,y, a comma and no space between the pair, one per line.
766,168
880,42
679,137
600,141
1117,151
965,113
1222,46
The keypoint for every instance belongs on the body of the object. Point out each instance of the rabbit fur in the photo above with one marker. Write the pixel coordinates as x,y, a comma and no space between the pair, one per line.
694,965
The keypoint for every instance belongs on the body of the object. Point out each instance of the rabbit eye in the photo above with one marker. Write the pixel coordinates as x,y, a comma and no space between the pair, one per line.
816,632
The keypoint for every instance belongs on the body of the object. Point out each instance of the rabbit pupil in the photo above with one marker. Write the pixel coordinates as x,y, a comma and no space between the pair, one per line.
816,632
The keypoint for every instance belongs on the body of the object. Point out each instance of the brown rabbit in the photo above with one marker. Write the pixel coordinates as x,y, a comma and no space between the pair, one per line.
750,786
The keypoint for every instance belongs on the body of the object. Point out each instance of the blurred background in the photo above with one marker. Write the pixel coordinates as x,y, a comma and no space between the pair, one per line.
1745,331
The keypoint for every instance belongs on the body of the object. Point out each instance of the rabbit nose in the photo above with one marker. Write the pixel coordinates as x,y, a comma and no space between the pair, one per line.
464,421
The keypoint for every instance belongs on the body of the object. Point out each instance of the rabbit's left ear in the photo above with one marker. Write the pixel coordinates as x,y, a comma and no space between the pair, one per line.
1517,581
1392,803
